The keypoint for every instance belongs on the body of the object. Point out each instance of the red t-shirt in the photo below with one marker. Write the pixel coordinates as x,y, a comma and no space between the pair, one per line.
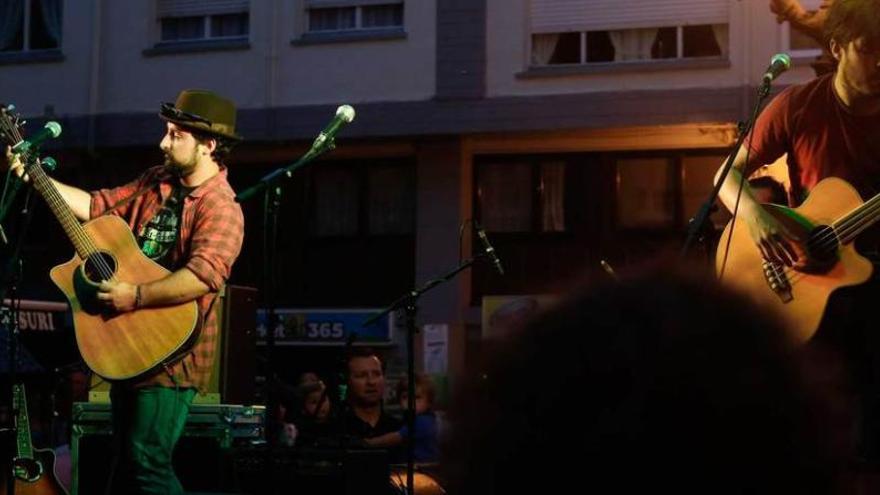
822,139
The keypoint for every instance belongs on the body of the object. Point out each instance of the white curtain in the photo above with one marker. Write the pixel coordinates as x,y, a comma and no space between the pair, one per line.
543,46
632,44
11,12
553,196
722,36
52,19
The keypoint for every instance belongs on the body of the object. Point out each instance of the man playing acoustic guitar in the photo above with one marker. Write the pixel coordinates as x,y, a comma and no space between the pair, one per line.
184,217
829,127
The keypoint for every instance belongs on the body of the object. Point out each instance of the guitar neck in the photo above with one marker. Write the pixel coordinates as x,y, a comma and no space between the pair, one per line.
23,427
62,211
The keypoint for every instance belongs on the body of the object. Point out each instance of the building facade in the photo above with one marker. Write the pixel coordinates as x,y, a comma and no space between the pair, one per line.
573,131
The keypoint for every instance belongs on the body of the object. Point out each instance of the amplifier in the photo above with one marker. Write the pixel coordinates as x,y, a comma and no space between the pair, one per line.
204,449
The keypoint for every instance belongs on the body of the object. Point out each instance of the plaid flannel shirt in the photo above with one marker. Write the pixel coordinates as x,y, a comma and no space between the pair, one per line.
209,241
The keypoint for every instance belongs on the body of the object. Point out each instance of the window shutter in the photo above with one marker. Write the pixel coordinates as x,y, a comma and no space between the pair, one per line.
315,4
192,8
557,16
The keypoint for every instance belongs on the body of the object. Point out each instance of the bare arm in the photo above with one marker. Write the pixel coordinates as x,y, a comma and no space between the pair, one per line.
809,22
387,440
178,287
776,243
80,201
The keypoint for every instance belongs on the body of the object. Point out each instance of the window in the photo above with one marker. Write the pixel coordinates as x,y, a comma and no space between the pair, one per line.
616,31
645,193
30,25
377,199
326,16
521,196
628,45
662,191
199,20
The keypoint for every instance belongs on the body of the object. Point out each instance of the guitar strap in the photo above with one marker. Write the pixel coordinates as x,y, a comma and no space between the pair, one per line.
131,198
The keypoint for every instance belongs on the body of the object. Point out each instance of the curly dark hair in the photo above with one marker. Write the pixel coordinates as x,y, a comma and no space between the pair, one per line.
663,381
224,145
849,20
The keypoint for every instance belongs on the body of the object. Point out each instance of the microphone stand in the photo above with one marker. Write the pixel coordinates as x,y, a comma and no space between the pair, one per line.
271,206
48,163
286,171
408,302
10,283
698,223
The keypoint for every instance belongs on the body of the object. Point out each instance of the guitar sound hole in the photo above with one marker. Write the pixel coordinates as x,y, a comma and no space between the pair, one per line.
99,267
27,469
822,245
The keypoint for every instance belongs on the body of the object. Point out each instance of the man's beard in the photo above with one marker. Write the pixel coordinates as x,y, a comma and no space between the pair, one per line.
180,169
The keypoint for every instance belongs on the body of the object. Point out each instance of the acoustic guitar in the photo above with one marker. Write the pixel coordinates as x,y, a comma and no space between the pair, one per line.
830,220
33,469
116,346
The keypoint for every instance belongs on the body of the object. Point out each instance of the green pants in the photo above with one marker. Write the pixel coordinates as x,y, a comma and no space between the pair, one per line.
147,423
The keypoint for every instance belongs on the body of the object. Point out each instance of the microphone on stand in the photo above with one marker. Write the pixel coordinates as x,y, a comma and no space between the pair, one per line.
488,249
51,130
780,63
344,115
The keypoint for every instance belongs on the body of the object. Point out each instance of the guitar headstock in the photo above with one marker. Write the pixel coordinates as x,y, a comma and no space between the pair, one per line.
10,125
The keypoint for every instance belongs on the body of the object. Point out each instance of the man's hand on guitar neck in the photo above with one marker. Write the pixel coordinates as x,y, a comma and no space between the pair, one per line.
119,296
14,162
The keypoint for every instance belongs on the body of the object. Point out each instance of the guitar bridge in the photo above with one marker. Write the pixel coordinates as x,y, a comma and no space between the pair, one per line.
774,275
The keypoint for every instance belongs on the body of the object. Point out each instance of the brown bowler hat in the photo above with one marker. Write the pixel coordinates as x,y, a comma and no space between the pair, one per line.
204,111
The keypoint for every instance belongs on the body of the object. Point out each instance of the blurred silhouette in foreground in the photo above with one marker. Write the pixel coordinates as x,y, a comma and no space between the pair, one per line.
663,381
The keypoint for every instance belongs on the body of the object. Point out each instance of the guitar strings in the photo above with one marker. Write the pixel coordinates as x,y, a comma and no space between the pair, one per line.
93,255
72,225
839,232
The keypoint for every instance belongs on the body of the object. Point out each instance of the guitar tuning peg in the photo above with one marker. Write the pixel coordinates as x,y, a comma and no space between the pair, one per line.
49,163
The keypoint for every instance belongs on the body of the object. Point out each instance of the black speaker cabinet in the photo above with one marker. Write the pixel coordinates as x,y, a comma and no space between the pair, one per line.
235,365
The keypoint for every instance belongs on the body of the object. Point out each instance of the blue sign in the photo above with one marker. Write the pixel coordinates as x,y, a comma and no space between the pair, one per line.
325,327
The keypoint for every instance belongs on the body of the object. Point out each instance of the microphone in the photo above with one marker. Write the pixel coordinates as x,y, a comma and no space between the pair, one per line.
344,115
51,130
780,63
490,251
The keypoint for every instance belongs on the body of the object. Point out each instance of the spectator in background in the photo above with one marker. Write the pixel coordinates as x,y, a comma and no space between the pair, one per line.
365,416
426,448
662,382
314,412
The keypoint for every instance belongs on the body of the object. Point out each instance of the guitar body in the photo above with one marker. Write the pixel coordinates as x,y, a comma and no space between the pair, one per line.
120,346
801,306
35,476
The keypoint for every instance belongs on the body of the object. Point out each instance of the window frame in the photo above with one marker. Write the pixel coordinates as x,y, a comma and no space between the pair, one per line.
358,16
358,33
203,44
584,63
534,162
27,54
361,174
206,22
